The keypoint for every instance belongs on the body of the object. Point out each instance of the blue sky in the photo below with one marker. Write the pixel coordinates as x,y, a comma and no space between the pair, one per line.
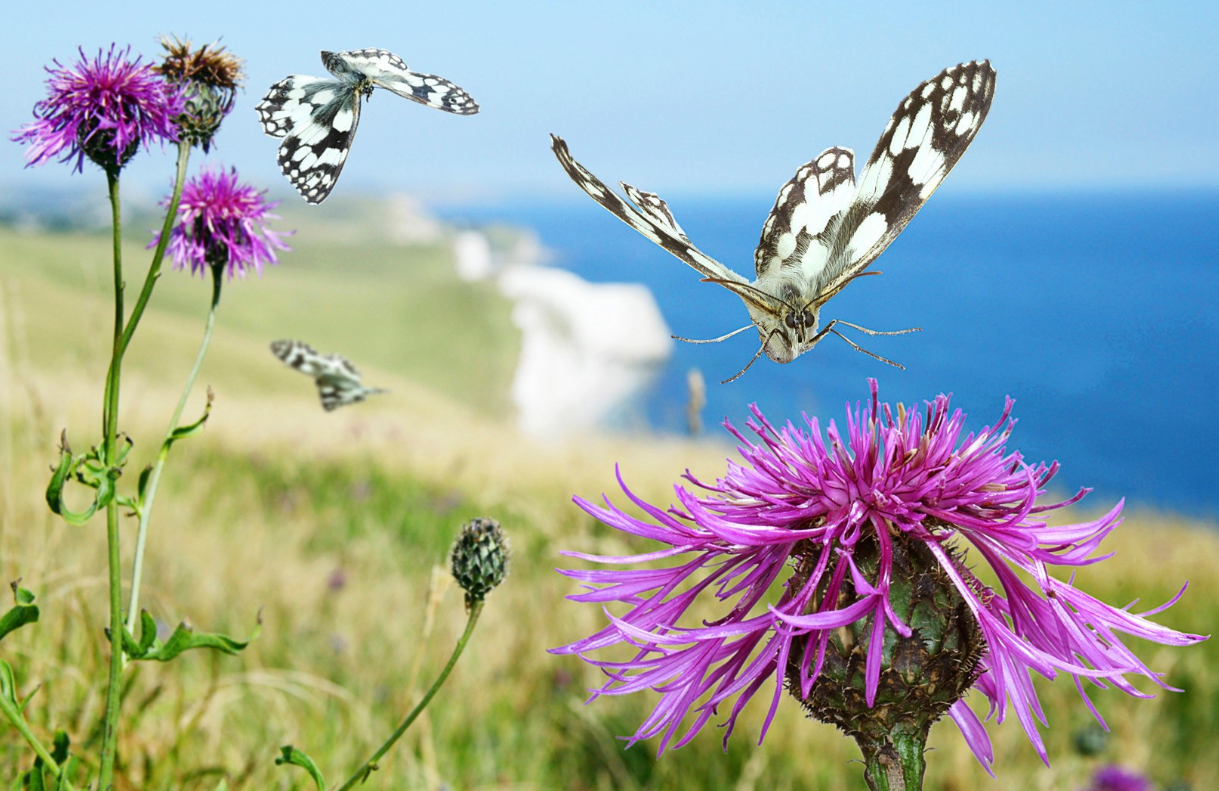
683,97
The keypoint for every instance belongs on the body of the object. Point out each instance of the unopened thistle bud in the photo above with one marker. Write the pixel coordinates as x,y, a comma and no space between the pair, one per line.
208,78
479,558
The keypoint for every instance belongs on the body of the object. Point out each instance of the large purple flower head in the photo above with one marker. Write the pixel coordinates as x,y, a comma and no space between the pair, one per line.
103,108
879,617
220,225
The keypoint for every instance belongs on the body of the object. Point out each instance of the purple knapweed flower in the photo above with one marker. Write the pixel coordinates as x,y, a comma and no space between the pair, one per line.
880,615
220,224
103,108
1115,778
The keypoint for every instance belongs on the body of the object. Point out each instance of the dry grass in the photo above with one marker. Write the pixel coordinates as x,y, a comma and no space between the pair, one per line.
276,498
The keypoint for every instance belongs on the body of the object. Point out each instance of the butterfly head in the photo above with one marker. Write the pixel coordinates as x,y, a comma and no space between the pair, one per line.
786,327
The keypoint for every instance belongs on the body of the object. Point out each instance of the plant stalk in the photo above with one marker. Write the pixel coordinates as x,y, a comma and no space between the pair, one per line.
158,255
14,716
895,762
371,764
154,477
110,410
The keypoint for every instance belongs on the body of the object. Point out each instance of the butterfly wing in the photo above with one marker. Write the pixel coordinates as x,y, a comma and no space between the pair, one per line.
798,236
924,139
386,70
338,381
651,217
317,119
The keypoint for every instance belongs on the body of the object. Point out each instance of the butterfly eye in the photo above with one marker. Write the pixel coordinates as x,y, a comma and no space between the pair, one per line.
793,319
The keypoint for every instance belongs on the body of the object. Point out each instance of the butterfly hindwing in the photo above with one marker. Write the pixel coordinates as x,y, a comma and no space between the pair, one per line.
798,236
338,381
318,117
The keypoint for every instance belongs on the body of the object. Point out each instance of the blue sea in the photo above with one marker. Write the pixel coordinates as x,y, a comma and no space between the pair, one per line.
1096,312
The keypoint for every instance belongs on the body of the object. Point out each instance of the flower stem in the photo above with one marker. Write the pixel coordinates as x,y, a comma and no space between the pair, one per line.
154,268
371,764
14,716
110,411
154,477
895,762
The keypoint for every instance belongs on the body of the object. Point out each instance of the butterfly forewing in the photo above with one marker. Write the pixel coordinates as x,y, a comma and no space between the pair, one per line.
338,381
655,223
318,117
924,139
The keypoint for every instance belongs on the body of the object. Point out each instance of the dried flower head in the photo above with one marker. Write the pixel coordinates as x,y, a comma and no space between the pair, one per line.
209,77
879,612
221,225
103,108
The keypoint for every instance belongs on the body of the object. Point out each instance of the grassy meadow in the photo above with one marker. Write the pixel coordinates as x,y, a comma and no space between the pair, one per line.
334,526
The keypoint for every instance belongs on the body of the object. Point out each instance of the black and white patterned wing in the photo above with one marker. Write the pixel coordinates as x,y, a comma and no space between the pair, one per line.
926,136
317,119
338,382
386,70
652,218
797,239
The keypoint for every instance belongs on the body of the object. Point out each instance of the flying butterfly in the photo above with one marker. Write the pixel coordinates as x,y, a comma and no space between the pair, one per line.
317,117
825,230
338,381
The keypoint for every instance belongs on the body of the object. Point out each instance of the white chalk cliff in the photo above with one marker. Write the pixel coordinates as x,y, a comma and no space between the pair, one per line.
586,348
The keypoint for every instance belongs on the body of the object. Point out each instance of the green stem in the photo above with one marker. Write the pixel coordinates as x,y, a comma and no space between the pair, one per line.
154,269
371,764
154,477
895,762
110,411
13,715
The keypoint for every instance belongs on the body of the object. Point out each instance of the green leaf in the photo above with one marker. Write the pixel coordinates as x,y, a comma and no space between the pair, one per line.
182,432
183,639
86,469
293,756
33,778
148,631
8,683
25,611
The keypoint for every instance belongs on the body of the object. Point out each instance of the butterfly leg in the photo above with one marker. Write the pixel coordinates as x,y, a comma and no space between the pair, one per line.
830,328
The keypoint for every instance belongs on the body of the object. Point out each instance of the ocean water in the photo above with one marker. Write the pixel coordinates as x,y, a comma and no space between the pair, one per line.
1098,313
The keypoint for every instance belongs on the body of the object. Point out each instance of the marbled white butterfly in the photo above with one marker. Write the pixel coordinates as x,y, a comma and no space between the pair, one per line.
338,381
317,117
824,230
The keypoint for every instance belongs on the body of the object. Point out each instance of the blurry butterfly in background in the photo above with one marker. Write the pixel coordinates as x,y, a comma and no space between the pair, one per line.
824,231
338,381
317,116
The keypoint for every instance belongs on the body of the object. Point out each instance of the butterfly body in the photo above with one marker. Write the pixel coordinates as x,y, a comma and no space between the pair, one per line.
825,229
317,117
338,382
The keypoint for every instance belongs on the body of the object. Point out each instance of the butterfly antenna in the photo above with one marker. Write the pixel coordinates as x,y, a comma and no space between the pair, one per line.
735,284
859,348
712,340
877,332
755,357
820,300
